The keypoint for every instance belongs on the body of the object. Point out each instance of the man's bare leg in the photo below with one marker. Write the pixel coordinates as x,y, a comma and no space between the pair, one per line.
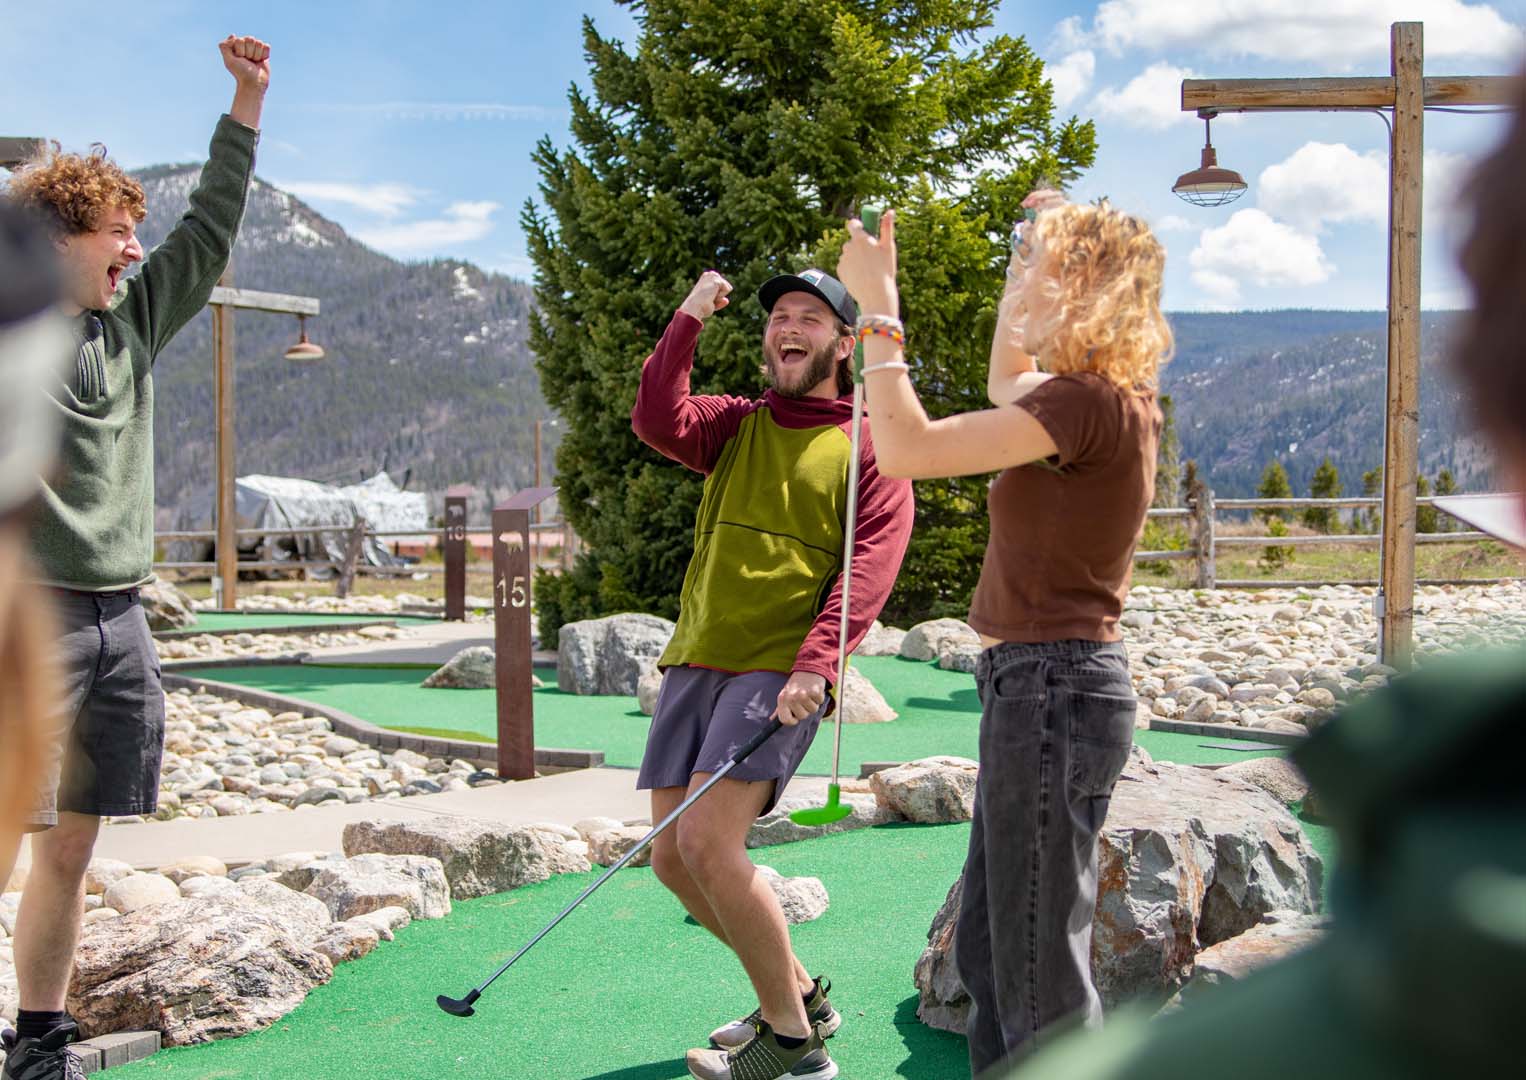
712,838
48,922
668,864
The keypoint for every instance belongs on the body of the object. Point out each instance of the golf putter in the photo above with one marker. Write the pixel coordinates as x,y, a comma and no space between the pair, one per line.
834,810
463,1006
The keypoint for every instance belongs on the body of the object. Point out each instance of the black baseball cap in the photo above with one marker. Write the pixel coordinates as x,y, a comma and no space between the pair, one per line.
819,284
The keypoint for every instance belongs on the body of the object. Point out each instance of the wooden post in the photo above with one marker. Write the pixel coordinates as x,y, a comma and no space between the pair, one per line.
1202,522
225,581
512,578
1402,429
454,546
352,549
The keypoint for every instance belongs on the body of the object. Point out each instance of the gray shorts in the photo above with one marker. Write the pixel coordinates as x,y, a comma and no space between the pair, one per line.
111,727
703,717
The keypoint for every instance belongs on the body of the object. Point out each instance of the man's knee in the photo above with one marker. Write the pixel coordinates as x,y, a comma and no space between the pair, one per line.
65,849
668,864
702,849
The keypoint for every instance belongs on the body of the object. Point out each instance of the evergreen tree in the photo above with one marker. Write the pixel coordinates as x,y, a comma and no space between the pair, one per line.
1446,484
1190,480
1326,484
1372,487
1274,485
1425,516
1168,458
739,138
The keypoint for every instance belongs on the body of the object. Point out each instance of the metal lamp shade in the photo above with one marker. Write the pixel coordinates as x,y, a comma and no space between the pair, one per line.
1210,185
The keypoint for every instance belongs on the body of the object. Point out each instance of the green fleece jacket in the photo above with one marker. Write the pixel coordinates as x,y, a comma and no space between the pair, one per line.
94,529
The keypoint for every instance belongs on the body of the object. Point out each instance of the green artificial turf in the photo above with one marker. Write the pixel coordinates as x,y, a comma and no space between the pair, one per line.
264,621
621,988
939,714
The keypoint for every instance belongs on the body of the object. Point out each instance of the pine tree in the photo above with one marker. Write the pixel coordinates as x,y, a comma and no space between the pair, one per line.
1372,487
738,138
1326,484
1190,480
1425,516
1446,484
1168,458
1274,485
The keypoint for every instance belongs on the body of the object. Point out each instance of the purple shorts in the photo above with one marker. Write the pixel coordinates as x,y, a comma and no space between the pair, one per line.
703,717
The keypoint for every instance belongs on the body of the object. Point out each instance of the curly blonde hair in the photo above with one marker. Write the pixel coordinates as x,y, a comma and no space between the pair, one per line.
72,192
1102,268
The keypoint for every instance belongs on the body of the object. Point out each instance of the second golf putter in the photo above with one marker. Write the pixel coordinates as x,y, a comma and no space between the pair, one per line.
834,810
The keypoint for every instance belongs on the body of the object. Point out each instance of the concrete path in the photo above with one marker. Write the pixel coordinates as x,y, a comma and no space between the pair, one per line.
431,644
562,797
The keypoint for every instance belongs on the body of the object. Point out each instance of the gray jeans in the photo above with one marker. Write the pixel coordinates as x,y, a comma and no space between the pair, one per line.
1056,724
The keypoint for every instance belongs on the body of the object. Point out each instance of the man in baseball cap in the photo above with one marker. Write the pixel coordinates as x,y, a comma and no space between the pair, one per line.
757,632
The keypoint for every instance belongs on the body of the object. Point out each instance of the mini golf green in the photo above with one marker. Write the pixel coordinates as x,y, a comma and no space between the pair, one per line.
939,714
621,988
210,621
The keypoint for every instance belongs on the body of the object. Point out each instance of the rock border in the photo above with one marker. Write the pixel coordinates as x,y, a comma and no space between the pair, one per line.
1226,731
550,759
314,628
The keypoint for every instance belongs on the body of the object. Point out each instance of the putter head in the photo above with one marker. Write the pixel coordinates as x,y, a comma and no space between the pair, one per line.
458,1006
834,810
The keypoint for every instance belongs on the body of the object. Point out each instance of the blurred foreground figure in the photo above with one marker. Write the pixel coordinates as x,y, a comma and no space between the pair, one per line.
1424,970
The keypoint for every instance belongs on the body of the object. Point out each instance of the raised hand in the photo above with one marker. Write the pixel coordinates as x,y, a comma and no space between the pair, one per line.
247,60
867,267
707,297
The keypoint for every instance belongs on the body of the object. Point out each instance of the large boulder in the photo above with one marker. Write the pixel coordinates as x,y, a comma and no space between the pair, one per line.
479,857
306,918
881,640
775,827
930,790
647,689
1188,858
926,640
166,607
193,970
470,669
369,882
1281,934
861,703
1277,776
802,899
609,655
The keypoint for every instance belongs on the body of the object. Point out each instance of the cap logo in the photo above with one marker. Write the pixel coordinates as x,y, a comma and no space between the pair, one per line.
813,276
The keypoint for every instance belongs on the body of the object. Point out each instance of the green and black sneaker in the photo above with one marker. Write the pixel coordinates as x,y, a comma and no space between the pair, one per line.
763,1058
818,1011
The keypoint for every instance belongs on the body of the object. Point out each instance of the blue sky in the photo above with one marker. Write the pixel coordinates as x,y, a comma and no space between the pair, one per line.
411,124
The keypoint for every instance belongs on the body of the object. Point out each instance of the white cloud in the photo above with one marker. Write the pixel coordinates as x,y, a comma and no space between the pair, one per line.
461,223
1252,248
1072,76
384,200
1336,33
1070,34
1172,223
1330,183
436,110
1152,99
1326,183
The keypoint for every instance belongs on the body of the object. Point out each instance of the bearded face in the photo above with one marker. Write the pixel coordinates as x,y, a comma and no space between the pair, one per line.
802,347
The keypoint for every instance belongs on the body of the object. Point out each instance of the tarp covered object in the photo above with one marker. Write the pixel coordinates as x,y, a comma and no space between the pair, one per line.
283,501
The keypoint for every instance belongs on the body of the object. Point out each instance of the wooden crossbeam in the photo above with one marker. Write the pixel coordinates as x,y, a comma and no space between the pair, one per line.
1354,93
264,301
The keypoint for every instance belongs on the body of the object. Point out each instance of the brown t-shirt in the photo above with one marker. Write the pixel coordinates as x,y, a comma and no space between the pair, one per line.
1063,530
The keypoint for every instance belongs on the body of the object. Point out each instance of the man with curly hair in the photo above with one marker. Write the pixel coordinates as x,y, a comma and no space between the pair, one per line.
92,536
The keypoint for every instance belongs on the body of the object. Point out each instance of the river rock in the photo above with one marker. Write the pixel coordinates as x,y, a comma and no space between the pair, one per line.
1277,776
611,845
1188,858
348,940
479,857
925,640
102,873
368,882
193,970
881,640
385,921
194,866
958,654
931,790
139,891
647,688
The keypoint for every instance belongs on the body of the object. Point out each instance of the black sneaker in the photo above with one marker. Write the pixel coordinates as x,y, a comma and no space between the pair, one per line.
47,1058
818,1012
762,1058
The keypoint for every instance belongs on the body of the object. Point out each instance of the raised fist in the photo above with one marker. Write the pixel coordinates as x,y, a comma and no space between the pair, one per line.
247,60
707,297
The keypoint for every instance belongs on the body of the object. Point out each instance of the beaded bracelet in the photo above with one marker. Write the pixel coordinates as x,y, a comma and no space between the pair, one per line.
881,326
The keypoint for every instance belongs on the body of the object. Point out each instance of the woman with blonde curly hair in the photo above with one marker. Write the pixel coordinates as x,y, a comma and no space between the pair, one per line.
1075,444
